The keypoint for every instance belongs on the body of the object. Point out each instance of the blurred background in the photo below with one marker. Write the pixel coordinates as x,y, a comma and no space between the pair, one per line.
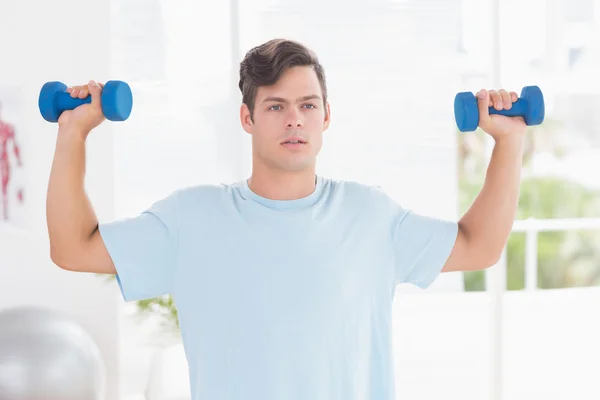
527,327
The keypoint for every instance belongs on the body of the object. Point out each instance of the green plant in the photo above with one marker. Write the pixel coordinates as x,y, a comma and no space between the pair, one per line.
164,307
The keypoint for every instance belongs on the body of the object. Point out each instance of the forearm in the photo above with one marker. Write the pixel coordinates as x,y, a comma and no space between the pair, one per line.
70,217
488,222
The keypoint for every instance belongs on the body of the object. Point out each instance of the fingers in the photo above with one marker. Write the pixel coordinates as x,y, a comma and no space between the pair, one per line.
506,99
483,103
498,99
82,91
96,92
495,100
76,91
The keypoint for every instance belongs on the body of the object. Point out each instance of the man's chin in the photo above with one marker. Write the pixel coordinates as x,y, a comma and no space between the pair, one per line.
296,165
286,162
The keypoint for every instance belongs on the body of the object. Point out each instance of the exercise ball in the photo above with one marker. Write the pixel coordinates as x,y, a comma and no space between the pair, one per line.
45,356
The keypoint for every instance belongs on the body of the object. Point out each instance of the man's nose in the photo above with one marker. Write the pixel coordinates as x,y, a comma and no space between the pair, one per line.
294,120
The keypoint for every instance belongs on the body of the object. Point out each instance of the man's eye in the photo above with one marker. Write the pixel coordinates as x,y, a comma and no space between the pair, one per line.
310,105
274,108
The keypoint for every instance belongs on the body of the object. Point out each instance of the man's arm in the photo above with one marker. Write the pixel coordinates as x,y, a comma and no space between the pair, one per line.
484,229
75,241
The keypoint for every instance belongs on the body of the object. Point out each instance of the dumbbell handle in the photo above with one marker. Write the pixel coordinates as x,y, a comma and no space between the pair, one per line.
518,109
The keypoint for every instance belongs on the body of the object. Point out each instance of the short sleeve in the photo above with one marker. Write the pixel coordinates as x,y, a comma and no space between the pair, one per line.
422,246
144,250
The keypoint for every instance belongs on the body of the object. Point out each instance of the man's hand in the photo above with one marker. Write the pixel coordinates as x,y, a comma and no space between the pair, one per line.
85,117
499,127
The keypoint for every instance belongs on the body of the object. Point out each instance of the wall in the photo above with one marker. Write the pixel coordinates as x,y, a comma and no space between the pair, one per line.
60,40
443,348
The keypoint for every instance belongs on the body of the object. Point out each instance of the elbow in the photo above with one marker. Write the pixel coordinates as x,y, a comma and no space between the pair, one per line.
69,253
480,264
57,258
497,253
483,258
480,252
492,258
486,255
61,258
491,262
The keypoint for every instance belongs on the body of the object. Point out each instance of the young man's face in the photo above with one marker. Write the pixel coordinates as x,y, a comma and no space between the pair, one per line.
289,120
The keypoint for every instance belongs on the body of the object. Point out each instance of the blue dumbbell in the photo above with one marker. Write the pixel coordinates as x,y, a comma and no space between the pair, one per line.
117,100
530,106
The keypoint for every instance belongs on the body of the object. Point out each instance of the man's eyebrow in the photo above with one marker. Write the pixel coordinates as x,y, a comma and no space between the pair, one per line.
309,97
282,100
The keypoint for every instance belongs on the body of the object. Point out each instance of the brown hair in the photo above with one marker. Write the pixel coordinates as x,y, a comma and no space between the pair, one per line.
264,64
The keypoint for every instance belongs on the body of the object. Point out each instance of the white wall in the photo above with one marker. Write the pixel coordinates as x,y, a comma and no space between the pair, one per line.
63,40
550,350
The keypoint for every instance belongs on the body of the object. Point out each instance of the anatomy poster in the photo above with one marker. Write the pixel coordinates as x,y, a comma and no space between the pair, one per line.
13,195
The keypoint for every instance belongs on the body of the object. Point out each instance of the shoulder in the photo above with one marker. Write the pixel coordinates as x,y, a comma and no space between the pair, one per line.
359,191
191,201
368,198
203,194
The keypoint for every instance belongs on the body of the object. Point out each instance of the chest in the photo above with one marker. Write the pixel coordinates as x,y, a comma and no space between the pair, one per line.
282,277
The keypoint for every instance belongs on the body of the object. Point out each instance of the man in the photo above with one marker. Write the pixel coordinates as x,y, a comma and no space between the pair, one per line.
284,281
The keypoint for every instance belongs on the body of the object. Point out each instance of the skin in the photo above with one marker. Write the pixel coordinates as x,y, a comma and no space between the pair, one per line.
292,107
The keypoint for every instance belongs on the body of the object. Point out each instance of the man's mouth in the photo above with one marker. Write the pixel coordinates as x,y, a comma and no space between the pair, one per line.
294,142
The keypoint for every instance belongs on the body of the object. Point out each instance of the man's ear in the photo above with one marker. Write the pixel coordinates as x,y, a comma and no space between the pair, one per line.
246,118
327,117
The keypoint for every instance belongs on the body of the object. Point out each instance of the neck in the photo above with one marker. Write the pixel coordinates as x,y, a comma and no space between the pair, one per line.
282,185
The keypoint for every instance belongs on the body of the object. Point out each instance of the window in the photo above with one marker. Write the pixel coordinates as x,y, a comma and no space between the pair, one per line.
578,10
559,183
178,60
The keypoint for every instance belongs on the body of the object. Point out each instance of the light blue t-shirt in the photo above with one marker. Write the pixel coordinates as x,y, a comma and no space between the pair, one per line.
281,299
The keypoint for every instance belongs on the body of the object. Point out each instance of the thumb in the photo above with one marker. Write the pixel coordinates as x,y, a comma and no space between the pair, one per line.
96,93
483,104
